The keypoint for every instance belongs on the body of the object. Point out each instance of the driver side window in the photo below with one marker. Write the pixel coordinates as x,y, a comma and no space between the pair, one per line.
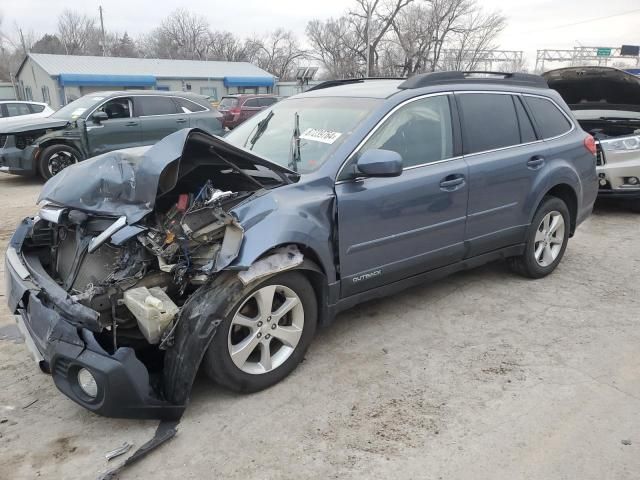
420,132
117,108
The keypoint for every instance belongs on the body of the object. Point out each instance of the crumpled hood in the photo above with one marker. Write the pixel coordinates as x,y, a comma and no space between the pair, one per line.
127,182
596,88
28,124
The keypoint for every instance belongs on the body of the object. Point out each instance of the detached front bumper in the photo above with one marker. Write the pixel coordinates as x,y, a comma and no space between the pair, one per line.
62,347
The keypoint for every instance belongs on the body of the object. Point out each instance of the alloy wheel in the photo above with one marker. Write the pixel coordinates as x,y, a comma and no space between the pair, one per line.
266,329
549,238
59,161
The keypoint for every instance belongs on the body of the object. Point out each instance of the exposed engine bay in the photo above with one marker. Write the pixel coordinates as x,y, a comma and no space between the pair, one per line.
133,285
138,269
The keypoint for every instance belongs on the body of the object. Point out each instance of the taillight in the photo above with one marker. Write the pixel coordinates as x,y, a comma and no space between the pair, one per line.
235,111
590,144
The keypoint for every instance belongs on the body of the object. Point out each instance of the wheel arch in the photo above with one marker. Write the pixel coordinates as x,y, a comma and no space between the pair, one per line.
312,268
568,195
60,141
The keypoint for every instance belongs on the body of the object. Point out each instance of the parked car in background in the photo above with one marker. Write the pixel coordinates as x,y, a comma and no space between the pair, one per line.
606,103
11,110
235,109
229,252
99,123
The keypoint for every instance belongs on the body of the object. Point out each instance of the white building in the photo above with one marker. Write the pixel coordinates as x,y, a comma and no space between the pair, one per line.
59,79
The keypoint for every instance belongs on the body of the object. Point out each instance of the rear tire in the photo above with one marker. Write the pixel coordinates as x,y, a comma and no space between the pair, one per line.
55,158
254,327
547,240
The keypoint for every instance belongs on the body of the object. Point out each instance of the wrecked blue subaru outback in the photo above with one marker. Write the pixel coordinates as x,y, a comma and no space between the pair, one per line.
144,265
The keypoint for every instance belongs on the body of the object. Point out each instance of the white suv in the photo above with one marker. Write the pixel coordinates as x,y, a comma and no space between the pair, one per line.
11,110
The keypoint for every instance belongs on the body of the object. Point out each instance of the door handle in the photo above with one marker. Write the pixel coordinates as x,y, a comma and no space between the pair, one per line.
131,124
181,120
452,182
535,162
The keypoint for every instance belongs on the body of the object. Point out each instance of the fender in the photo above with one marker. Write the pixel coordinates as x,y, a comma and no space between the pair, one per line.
71,137
559,172
289,215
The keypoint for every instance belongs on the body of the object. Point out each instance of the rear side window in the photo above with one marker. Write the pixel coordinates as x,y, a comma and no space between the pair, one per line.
152,105
527,133
228,102
187,106
265,102
17,109
549,119
489,121
251,103
35,108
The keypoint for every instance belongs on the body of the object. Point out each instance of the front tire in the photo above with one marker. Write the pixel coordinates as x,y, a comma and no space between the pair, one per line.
55,158
547,240
265,335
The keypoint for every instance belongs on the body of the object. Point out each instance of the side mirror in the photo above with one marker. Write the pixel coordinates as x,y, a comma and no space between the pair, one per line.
380,163
99,117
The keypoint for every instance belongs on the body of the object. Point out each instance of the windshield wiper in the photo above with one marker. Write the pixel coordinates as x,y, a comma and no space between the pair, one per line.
262,126
295,147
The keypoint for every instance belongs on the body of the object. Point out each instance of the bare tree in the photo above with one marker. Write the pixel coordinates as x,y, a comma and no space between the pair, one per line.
375,20
336,46
182,35
277,53
226,46
475,35
78,34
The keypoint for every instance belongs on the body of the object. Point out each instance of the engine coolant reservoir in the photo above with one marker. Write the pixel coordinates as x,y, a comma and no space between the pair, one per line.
153,309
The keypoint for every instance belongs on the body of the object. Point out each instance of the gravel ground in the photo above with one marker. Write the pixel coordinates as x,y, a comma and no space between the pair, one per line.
481,375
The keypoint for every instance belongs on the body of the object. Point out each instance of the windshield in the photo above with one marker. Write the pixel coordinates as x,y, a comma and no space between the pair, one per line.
77,108
302,131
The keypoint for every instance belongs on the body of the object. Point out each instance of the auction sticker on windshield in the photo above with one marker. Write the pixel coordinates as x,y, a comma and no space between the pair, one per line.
320,135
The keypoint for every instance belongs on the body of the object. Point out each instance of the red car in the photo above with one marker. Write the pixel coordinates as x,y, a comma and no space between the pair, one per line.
235,109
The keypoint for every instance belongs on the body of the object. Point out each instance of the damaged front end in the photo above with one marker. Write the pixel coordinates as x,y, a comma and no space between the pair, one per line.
100,278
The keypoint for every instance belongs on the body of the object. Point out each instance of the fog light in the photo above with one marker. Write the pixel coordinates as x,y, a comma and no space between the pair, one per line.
633,181
87,383
603,182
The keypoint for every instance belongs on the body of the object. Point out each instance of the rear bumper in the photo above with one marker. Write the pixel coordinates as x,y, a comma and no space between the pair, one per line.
62,347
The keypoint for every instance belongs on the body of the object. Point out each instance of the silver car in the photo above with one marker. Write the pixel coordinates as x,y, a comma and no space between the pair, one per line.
606,103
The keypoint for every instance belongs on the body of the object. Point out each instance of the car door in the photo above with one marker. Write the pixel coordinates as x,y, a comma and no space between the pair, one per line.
392,228
120,130
504,158
159,117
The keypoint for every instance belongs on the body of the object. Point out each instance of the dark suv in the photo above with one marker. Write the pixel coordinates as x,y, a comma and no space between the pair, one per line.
144,264
235,109
99,123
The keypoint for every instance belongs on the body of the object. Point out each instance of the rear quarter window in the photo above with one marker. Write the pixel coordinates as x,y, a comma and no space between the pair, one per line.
489,121
35,108
251,103
228,102
187,106
550,120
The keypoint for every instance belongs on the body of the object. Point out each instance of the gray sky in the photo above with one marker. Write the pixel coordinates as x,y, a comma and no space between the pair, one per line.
532,24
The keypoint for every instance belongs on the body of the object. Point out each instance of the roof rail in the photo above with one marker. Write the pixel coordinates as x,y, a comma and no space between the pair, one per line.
435,78
347,81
